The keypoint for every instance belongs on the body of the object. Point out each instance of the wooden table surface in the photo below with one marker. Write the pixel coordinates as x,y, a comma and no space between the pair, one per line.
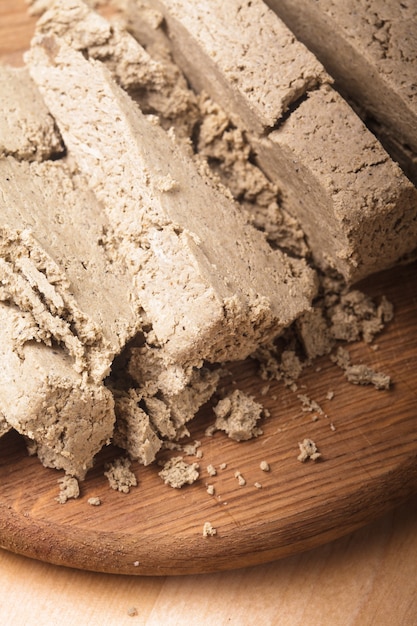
368,577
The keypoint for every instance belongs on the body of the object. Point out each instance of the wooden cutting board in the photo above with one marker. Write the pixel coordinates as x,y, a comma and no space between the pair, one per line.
368,464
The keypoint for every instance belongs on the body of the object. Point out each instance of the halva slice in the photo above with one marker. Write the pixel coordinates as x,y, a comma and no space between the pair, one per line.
46,400
54,265
209,284
355,205
27,129
370,48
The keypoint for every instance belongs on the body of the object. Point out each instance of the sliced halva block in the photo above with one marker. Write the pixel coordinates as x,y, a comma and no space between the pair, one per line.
27,129
370,48
329,166
209,284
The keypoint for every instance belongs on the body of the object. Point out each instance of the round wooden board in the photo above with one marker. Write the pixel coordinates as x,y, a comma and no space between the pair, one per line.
368,465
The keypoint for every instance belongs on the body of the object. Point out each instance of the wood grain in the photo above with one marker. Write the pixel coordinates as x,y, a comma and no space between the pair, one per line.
369,462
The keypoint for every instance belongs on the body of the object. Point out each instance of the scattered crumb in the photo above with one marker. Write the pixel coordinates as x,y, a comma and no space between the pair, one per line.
240,479
258,485
208,530
264,465
332,426
211,470
222,466
94,501
119,475
330,395
237,415
364,375
210,490
360,374
68,488
310,405
176,472
136,563
308,450
191,449
132,611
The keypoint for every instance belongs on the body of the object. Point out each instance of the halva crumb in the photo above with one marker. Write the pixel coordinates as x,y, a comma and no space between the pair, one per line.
264,465
176,472
94,501
132,611
240,479
119,475
211,470
208,530
308,450
237,415
68,488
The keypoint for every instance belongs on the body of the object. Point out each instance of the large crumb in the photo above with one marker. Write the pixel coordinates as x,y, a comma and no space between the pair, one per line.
308,450
68,488
208,530
237,415
176,472
119,475
360,374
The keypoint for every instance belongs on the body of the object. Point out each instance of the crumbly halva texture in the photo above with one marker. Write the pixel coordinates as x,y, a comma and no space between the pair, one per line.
68,489
344,188
43,398
27,129
209,530
375,60
54,277
176,472
86,30
224,312
225,38
339,314
120,476
360,374
352,200
308,450
237,414
154,82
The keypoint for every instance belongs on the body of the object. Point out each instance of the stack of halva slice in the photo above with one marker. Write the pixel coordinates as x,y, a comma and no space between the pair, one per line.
128,272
